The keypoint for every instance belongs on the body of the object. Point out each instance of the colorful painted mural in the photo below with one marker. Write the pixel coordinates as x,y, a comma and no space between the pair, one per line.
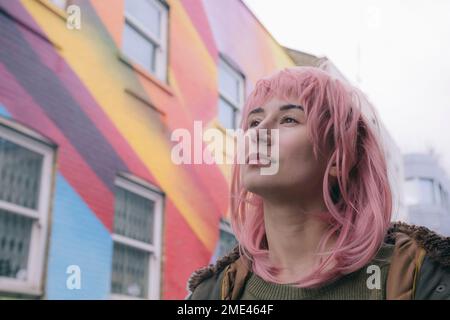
107,115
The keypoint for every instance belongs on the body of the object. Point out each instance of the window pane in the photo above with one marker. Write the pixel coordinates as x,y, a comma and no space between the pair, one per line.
147,13
227,242
138,48
411,192
229,84
15,232
134,216
60,3
226,114
130,271
426,191
20,174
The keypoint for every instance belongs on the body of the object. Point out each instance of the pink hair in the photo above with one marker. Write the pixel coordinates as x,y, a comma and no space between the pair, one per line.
358,205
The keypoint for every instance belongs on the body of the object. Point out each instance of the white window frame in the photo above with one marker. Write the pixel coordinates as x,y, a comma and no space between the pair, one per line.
38,238
146,190
160,44
237,106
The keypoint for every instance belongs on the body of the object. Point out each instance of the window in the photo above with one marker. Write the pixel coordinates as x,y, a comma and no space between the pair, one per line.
437,194
145,35
443,197
25,179
231,95
420,191
426,191
137,240
227,240
62,4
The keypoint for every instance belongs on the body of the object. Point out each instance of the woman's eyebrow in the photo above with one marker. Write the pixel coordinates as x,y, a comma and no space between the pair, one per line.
282,108
291,106
256,110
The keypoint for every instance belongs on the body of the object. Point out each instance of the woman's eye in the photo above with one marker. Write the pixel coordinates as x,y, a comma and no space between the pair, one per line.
253,123
289,120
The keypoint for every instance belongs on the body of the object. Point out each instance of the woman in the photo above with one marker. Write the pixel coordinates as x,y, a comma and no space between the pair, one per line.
319,228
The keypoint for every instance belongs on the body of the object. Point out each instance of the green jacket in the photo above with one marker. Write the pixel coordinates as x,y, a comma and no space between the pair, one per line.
419,269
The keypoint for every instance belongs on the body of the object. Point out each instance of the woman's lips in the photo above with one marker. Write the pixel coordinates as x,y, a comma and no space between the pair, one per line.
255,159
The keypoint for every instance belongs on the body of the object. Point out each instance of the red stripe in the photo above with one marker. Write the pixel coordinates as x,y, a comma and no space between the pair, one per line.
50,58
71,165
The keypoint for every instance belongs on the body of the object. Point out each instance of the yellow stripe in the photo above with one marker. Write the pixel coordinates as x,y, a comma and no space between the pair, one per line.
83,49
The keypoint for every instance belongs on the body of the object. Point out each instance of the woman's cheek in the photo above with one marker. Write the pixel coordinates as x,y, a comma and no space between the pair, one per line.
296,154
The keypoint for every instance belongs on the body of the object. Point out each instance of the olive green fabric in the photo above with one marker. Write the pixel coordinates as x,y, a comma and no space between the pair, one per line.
350,286
353,286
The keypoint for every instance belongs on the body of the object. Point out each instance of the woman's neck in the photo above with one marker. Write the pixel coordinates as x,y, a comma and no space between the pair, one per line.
293,234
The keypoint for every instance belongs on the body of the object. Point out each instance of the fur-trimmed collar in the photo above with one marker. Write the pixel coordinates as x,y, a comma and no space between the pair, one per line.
436,246
206,272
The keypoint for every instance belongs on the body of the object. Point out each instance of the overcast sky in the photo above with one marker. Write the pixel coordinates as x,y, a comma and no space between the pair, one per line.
397,51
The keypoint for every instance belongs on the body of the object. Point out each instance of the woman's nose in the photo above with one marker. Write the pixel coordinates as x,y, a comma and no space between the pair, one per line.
262,135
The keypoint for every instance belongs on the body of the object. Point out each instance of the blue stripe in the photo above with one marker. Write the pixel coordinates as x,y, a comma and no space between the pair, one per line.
77,238
4,112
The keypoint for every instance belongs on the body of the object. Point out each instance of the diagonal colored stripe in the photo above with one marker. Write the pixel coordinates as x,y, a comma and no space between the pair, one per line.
61,108
74,168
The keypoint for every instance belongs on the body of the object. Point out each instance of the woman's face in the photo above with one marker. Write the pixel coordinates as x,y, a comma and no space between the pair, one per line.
299,173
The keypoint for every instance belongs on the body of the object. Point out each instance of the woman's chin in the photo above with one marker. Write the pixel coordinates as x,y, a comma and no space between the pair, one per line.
259,185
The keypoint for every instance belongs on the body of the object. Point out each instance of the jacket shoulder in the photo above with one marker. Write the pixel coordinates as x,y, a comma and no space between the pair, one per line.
420,267
207,288
205,283
436,246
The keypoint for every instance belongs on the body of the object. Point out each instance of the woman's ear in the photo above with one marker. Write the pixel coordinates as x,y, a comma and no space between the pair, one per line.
333,170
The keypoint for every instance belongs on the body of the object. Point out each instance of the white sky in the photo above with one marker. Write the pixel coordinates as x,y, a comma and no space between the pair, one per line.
403,64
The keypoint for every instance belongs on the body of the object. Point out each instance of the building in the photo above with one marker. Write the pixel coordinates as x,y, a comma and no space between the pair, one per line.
427,188
91,204
86,120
